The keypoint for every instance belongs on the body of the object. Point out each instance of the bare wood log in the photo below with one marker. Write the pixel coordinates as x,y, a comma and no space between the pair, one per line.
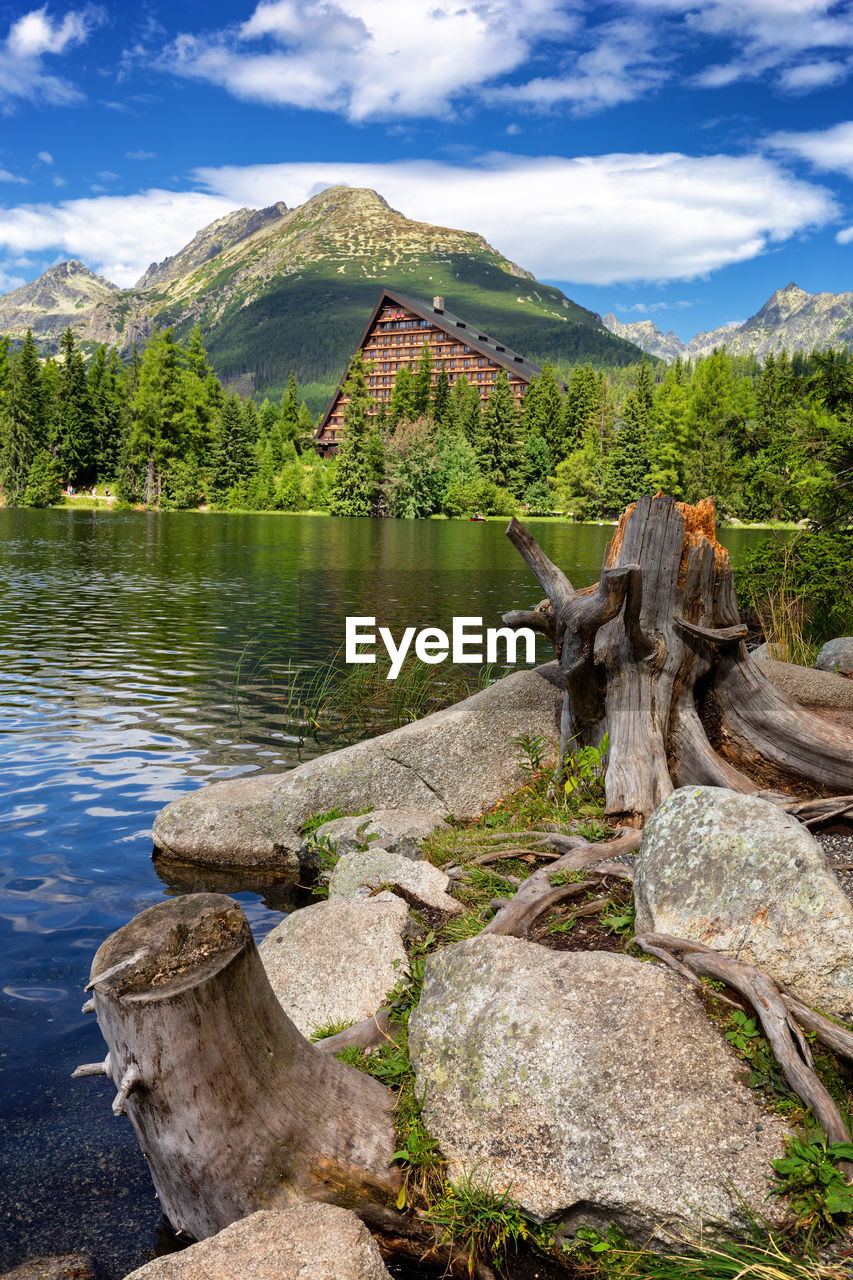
234,1110
770,1007
837,1038
653,656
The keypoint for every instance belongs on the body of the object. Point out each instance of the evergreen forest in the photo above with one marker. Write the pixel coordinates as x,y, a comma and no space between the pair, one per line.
771,441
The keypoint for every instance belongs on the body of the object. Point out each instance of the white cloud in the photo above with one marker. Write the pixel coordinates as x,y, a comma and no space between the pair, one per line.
117,236
845,236
45,157
814,75
590,220
829,150
6,176
140,155
368,59
22,72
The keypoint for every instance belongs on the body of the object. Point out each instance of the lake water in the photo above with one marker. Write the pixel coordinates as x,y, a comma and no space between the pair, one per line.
132,653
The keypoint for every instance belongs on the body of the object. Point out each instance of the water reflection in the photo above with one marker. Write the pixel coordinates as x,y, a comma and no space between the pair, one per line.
134,649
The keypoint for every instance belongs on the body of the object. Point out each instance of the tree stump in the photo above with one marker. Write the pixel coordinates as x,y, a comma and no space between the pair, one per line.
234,1110
653,656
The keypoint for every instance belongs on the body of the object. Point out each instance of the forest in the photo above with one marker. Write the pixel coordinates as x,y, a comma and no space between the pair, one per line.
771,441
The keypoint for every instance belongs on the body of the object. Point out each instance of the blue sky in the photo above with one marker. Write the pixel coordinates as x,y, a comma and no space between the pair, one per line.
654,158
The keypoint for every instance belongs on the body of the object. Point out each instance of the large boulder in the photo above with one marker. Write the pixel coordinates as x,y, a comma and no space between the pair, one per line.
401,831
311,1242
589,1084
336,961
358,875
741,875
458,761
837,655
820,690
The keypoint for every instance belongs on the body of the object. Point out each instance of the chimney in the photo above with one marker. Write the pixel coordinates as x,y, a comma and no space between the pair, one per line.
438,304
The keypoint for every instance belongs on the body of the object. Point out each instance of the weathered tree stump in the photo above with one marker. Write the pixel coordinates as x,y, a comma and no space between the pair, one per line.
653,656
234,1110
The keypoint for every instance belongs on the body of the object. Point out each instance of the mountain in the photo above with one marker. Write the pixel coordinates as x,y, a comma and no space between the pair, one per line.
209,242
790,318
281,289
63,295
648,337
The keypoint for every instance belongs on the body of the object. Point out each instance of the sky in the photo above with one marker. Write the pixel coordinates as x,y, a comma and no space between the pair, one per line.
658,159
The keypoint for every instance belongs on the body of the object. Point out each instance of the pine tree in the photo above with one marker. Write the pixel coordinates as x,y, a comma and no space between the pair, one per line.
583,399
549,417
43,488
73,442
232,452
202,396
441,399
25,432
498,445
107,398
628,458
157,433
290,412
359,468
422,384
402,404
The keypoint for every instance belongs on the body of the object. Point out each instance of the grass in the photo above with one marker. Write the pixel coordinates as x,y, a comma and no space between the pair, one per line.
784,617
720,1259
334,702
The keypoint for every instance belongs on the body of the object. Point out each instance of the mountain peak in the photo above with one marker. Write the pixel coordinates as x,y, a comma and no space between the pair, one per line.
210,241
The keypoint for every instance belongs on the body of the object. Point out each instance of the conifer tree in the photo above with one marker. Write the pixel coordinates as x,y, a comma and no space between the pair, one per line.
157,434
290,411
72,441
25,432
422,384
498,445
359,468
402,403
441,399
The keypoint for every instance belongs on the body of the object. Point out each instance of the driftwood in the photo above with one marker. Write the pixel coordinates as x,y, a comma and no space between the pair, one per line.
653,656
234,1110
775,1013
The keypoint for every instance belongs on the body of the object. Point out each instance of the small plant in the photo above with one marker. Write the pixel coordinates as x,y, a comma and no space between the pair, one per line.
766,1073
621,919
326,1029
568,876
815,1186
532,753
483,1221
323,850
584,771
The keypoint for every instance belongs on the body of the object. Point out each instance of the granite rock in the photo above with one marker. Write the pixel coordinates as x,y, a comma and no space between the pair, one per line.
592,1085
311,1242
335,961
358,875
739,874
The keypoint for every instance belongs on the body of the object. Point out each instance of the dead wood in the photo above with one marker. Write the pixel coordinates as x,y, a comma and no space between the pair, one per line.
653,656
537,893
234,1110
775,1015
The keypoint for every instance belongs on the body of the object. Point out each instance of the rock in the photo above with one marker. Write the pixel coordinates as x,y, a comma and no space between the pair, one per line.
357,875
590,1084
837,655
401,831
763,651
311,1242
458,761
335,961
811,688
70,1266
743,876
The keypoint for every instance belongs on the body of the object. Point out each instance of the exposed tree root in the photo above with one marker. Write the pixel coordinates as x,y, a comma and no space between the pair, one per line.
776,1013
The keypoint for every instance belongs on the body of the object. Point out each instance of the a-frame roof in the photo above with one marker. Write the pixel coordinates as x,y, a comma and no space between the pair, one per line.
473,337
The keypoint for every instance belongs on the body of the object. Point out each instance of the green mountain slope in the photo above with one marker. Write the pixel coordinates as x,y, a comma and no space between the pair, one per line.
297,292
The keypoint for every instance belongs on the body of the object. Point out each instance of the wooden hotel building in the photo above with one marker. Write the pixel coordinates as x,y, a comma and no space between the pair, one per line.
395,336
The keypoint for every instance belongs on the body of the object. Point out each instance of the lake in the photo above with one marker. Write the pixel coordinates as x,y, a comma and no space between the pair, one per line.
135,649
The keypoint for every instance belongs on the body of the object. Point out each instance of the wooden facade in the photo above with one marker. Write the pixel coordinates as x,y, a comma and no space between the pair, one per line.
395,336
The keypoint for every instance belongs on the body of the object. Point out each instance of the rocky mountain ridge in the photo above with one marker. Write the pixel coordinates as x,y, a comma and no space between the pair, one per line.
65,294
790,319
